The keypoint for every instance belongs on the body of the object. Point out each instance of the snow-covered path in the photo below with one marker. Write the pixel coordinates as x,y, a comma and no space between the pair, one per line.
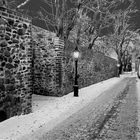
16,128
138,91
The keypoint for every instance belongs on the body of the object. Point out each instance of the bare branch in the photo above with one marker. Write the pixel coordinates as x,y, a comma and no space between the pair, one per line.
22,4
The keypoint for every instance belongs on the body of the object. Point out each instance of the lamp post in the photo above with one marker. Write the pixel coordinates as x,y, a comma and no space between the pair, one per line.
76,55
118,66
138,73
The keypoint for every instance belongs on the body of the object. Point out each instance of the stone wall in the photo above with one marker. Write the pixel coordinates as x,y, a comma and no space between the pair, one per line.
15,63
54,75
47,62
93,67
44,62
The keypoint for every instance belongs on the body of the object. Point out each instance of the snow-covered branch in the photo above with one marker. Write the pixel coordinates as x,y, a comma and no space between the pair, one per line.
22,4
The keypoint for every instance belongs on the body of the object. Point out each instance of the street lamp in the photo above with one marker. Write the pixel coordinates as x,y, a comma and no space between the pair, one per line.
76,55
138,72
118,66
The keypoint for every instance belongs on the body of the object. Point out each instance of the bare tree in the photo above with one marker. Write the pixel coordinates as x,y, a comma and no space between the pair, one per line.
14,4
59,17
100,18
122,35
22,4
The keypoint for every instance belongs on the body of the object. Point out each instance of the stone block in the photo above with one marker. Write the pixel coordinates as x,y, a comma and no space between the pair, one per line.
2,87
8,29
10,60
11,22
9,87
15,40
21,32
7,53
3,44
9,66
7,81
7,37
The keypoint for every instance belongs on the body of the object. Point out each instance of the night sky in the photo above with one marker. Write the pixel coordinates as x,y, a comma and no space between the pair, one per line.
137,19
34,6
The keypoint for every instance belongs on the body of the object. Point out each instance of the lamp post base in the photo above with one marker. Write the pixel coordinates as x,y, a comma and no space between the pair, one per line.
75,87
118,75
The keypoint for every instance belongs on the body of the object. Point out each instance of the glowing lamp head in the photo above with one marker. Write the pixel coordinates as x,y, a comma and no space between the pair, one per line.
76,54
118,65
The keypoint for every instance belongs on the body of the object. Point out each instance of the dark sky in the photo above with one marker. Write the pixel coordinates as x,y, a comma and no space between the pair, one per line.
137,17
34,5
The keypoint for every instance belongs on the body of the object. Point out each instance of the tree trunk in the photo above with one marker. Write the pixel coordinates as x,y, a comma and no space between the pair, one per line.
92,43
125,67
120,68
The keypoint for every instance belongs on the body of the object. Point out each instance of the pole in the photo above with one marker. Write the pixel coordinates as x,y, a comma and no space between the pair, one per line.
118,71
138,73
76,80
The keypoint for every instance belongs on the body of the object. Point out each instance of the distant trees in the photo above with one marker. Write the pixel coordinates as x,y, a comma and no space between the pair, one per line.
122,35
109,25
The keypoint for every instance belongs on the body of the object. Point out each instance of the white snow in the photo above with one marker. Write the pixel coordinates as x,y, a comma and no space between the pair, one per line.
50,111
138,92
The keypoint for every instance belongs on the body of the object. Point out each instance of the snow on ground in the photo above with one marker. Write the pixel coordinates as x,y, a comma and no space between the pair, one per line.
47,112
138,91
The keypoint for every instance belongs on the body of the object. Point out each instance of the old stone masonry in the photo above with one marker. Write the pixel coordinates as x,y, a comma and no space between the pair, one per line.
15,63
24,63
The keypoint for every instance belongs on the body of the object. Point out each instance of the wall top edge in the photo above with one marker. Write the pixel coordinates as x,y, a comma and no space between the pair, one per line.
16,13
